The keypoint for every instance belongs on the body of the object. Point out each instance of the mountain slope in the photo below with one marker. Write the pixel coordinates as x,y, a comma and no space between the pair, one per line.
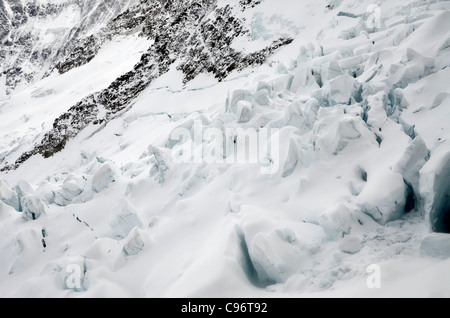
222,148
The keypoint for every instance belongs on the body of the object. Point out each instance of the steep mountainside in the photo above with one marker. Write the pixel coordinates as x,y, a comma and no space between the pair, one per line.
197,35
252,148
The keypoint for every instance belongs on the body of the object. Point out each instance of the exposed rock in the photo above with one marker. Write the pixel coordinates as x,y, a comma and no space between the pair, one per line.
196,33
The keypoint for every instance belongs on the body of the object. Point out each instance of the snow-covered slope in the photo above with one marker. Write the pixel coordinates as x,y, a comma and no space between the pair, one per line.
345,106
36,34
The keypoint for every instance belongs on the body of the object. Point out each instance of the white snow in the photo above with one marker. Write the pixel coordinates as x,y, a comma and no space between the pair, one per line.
436,245
351,245
361,118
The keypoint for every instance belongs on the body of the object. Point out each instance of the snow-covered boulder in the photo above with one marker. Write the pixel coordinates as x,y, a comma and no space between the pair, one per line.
435,188
8,196
436,245
124,219
384,197
32,207
105,175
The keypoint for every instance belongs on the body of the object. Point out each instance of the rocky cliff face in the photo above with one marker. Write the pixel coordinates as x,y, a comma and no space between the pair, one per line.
196,34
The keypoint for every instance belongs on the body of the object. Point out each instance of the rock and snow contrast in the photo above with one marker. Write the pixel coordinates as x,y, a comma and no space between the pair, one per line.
218,148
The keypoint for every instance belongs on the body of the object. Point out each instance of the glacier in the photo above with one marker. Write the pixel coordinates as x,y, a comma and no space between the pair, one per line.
333,118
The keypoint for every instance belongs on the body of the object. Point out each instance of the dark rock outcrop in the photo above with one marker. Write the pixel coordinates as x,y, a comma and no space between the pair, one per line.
196,33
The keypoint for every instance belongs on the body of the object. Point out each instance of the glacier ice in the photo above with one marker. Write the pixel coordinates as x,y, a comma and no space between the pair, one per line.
261,97
303,81
337,221
351,244
71,188
435,188
243,112
124,218
8,196
336,130
29,249
105,175
359,137
436,245
278,250
343,90
236,96
282,83
134,243
265,86
274,259
412,161
32,207
160,164
384,197
23,188
46,191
